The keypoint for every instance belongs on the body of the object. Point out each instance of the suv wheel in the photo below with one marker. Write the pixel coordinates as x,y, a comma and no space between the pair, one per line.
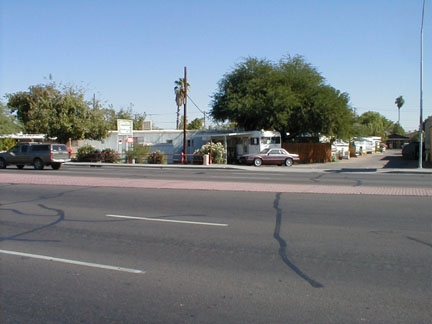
2,164
56,166
38,164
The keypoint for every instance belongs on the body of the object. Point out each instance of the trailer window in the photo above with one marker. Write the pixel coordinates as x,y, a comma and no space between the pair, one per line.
270,140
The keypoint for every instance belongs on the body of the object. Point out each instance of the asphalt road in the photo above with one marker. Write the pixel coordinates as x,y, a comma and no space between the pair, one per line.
102,252
387,170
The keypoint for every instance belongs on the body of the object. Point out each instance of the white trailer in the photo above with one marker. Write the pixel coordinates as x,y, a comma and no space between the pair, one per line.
243,142
255,141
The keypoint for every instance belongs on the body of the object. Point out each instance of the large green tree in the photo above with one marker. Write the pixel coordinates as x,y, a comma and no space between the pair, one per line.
197,123
58,112
372,123
8,123
290,96
396,128
111,116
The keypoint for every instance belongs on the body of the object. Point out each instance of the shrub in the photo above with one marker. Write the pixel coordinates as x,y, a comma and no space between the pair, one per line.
216,150
157,157
89,153
110,156
138,153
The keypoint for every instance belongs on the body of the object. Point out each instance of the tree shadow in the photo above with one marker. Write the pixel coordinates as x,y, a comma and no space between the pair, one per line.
353,170
419,241
283,246
59,214
398,162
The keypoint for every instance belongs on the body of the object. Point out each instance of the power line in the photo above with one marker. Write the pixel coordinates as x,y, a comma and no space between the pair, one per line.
167,114
202,112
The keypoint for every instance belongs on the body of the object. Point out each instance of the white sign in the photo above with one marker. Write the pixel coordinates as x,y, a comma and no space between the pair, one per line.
125,127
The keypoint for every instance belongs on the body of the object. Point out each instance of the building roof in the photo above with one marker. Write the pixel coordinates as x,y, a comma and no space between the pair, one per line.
397,137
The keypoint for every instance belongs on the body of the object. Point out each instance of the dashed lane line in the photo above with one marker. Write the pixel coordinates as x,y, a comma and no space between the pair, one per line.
81,263
167,220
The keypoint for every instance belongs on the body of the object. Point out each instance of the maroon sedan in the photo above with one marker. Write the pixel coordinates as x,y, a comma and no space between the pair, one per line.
278,156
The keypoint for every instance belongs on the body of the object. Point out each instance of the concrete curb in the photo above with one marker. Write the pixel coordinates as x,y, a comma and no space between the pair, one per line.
312,168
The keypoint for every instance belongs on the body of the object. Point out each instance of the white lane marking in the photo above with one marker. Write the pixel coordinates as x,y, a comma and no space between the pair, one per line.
87,264
167,220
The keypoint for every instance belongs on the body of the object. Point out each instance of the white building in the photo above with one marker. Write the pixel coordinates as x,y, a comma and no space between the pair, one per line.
170,142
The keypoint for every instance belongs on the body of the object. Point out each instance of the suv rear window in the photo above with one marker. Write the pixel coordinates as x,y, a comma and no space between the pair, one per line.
59,148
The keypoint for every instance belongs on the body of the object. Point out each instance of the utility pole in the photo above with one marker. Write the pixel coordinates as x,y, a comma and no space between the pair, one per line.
184,115
420,161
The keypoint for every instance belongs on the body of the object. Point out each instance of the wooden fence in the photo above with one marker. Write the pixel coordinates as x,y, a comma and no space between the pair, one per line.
310,152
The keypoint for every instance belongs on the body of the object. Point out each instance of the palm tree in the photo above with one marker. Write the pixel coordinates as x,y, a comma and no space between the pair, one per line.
180,91
399,103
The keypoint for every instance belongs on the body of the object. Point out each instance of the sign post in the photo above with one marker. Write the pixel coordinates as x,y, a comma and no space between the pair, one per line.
125,129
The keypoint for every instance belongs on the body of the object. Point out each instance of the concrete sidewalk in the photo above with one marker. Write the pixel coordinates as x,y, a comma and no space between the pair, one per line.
390,161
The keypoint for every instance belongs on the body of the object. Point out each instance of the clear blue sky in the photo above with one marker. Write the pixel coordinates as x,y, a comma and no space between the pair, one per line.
131,52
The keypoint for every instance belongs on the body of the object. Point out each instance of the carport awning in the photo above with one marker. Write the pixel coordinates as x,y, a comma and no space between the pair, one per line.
230,135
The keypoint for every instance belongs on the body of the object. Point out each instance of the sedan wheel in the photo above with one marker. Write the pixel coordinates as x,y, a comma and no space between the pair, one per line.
257,162
2,164
288,162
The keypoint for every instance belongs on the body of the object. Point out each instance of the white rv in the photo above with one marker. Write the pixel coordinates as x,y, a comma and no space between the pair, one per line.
244,142
255,141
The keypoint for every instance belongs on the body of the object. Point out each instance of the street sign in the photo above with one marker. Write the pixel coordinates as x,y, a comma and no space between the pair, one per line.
129,140
125,127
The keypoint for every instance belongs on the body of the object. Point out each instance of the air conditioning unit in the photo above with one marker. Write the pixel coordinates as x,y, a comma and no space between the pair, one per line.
147,125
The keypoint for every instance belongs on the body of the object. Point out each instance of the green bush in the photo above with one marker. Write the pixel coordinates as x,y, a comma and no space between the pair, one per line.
110,156
138,153
157,157
216,150
89,153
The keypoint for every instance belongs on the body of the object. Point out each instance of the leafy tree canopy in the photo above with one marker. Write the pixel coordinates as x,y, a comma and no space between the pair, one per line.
61,113
374,124
8,123
111,117
396,128
197,123
289,96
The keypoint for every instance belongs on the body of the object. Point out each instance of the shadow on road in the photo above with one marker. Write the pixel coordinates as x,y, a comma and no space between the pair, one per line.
396,161
351,170
283,246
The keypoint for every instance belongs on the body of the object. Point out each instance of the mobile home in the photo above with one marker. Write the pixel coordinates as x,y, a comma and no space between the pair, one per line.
170,142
